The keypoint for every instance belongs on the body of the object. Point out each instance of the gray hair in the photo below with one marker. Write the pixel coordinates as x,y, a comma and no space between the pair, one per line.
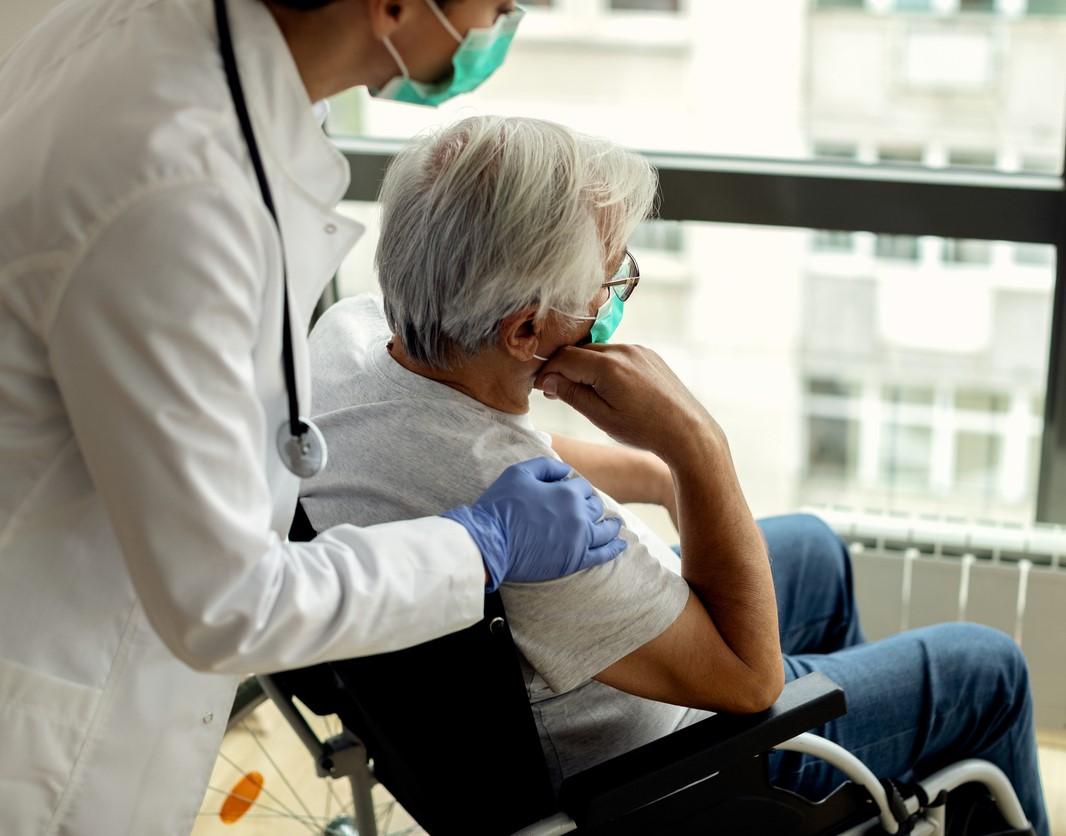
491,215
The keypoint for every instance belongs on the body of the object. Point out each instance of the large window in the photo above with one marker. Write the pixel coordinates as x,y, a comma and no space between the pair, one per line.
765,322
685,76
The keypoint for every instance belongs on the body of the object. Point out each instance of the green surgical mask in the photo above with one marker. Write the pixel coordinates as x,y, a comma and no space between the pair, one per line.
607,319
479,55
604,323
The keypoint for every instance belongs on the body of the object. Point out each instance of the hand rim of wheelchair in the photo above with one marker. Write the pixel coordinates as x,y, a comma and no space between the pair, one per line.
945,780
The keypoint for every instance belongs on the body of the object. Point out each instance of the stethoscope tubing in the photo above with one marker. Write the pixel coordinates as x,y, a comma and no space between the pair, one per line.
299,428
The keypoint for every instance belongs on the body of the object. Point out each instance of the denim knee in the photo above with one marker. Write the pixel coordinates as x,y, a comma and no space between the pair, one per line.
813,532
820,542
980,660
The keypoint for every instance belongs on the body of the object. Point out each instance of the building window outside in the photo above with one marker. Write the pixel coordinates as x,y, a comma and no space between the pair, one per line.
1047,7
832,448
969,429
978,458
906,454
832,430
914,5
833,241
645,5
897,248
664,236
981,400
966,251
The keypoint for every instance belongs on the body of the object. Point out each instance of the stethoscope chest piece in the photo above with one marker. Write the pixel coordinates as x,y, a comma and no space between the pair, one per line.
305,454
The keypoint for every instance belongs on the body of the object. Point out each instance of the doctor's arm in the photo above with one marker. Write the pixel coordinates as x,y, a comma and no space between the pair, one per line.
152,347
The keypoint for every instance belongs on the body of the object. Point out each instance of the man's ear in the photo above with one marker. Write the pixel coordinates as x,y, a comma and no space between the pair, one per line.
519,334
386,16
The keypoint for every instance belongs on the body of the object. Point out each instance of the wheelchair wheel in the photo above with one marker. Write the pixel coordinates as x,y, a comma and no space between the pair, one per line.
264,781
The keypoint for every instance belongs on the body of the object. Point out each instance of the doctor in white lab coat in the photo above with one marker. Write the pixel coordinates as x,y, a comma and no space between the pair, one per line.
143,501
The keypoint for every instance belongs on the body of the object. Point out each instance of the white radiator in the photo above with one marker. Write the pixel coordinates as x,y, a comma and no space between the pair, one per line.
914,571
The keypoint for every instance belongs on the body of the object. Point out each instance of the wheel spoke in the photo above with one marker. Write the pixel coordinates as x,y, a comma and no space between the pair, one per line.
281,774
289,811
273,811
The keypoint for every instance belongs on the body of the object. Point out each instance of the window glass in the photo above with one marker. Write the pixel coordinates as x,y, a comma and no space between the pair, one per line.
914,5
662,236
981,400
832,449
665,75
902,386
970,158
1047,7
897,247
833,388
906,453
646,5
913,395
978,458
967,251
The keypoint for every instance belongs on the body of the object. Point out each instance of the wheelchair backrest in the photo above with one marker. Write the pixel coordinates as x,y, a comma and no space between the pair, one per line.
447,723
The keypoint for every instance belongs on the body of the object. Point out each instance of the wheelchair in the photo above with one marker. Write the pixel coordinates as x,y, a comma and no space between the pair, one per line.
447,728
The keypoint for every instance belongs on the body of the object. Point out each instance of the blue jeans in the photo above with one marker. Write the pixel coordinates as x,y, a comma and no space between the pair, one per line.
917,701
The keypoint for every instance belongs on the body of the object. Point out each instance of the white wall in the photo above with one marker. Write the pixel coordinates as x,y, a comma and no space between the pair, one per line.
19,16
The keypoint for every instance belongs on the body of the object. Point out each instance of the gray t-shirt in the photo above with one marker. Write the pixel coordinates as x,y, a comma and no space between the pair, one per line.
402,446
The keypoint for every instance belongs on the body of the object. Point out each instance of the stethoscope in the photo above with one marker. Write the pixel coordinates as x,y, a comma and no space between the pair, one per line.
300,443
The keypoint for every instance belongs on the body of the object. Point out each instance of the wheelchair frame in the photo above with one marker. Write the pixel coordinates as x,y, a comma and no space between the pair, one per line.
667,782
344,756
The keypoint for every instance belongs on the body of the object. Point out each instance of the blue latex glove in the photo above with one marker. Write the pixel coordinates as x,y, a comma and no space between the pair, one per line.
534,524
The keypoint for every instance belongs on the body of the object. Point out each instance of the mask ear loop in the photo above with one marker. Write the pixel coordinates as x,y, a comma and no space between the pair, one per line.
538,357
447,24
395,53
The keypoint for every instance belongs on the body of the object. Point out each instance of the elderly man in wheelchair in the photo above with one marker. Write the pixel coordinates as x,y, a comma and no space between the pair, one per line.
653,684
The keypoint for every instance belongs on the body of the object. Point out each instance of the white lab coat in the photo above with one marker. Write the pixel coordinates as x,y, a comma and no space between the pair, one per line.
143,506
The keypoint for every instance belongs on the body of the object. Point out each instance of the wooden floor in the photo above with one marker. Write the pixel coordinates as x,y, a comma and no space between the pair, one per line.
1053,773
294,801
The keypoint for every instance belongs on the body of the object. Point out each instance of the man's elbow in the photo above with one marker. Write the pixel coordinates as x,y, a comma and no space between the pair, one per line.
758,692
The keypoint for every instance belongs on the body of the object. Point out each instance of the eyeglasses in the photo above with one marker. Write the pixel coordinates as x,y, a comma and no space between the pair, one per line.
625,279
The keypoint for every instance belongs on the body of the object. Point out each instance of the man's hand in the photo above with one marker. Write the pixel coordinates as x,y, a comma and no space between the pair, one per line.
631,394
536,524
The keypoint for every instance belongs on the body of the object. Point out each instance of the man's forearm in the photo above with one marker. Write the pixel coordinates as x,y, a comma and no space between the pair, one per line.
724,557
624,473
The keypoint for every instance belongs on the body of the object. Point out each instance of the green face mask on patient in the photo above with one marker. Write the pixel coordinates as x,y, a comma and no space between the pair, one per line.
604,323
607,319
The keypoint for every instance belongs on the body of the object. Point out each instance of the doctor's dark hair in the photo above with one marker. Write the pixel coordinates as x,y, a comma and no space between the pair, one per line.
305,5
491,215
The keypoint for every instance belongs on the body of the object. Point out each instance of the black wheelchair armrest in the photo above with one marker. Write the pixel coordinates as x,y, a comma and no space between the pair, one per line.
623,784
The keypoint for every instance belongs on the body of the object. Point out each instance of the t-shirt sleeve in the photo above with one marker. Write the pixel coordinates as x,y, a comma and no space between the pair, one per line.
571,628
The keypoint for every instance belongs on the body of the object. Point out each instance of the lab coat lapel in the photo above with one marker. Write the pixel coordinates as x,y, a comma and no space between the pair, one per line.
308,175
